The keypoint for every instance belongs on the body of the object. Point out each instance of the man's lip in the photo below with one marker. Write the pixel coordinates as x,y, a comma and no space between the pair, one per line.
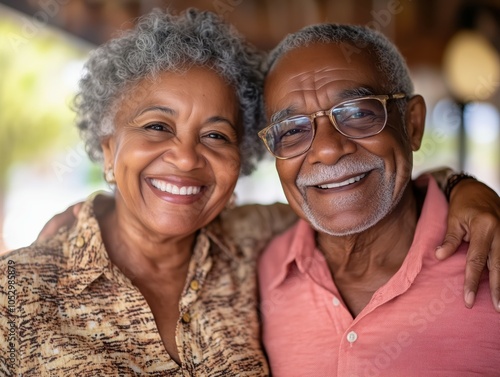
344,181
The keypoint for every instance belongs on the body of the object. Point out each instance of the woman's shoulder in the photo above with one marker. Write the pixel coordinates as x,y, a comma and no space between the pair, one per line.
34,271
37,251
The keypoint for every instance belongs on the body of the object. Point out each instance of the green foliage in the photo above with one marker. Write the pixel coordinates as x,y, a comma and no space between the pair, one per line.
36,89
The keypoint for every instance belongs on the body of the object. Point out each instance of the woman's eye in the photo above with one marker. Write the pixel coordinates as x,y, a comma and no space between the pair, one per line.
216,136
156,127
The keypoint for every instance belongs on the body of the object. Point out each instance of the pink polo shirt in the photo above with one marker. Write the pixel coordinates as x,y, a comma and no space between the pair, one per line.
414,325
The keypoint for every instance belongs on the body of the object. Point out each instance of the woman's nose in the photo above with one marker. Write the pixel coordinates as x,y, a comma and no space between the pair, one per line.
185,155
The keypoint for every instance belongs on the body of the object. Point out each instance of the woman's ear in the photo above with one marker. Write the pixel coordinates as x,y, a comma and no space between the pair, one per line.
415,121
108,149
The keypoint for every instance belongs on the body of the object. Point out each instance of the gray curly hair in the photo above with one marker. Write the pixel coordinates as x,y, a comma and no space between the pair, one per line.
165,42
389,61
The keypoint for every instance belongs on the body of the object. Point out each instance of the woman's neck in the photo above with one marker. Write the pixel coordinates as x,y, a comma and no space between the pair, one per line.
139,254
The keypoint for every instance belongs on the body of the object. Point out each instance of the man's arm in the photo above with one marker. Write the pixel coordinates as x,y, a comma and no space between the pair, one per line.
474,216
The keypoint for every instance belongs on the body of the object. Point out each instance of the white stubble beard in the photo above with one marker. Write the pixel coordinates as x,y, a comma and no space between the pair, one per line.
383,197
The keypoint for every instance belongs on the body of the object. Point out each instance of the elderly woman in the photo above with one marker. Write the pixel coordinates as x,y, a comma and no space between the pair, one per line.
157,283
151,286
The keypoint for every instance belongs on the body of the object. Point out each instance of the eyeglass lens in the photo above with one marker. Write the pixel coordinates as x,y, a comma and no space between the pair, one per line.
356,119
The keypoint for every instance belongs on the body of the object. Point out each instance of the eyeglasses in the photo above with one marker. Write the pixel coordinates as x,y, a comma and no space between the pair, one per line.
356,119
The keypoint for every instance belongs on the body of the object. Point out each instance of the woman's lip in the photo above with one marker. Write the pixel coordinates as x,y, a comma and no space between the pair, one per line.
344,182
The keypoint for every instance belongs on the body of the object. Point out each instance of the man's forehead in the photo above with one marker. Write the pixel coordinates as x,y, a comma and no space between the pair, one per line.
319,63
318,70
335,53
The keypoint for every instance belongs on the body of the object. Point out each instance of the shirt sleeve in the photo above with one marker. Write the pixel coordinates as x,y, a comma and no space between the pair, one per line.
9,353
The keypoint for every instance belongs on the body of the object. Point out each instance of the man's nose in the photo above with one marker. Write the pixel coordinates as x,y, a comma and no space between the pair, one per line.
329,145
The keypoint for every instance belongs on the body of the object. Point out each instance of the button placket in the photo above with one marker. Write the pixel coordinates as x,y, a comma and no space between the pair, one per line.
351,337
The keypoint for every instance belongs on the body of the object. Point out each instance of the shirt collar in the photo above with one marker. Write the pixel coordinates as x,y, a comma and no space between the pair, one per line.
301,252
87,257
215,233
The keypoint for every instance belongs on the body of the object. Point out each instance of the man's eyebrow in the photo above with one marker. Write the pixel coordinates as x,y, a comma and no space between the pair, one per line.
282,114
356,92
343,95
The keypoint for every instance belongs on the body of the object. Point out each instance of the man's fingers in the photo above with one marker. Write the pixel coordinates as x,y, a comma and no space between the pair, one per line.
495,287
66,218
452,240
47,231
76,209
494,268
475,264
477,256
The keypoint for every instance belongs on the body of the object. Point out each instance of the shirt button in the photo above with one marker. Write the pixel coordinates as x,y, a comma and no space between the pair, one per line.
336,301
80,241
194,285
352,337
186,318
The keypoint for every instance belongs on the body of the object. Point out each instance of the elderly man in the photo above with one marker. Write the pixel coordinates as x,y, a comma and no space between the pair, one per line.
354,288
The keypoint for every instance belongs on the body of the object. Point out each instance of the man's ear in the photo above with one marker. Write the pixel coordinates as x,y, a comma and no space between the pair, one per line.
415,120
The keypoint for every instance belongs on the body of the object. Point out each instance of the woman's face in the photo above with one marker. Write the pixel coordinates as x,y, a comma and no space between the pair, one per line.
175,152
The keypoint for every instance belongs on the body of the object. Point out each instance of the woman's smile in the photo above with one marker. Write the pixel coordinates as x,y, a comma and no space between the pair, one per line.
174,189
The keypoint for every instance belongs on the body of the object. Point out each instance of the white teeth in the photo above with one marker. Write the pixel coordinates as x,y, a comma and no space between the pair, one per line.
175,190
344,183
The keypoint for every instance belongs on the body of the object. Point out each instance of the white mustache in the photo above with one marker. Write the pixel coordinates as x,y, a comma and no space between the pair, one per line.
345,167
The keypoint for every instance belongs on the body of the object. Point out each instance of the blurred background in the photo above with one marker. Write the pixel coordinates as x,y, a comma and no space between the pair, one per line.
452,48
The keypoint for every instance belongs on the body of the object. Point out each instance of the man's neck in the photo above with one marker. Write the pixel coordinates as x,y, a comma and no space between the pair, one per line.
362,263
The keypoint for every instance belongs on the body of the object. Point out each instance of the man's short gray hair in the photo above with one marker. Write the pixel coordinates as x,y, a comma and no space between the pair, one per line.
165,42
388,60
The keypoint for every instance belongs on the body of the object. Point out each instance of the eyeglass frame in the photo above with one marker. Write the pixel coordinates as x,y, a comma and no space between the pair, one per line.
382,98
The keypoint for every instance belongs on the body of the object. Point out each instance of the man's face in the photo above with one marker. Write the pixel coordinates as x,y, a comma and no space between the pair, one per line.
340,185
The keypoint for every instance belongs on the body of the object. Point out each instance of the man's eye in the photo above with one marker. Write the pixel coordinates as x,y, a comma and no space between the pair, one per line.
293,131
360,114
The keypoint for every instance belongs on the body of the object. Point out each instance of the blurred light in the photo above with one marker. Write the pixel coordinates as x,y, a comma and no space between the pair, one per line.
446,116
482,122
471,67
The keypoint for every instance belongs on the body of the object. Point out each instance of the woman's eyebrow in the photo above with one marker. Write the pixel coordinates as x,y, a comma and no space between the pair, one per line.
163,109
217,119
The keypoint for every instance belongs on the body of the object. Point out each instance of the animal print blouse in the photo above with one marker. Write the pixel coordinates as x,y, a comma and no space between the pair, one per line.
66,310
